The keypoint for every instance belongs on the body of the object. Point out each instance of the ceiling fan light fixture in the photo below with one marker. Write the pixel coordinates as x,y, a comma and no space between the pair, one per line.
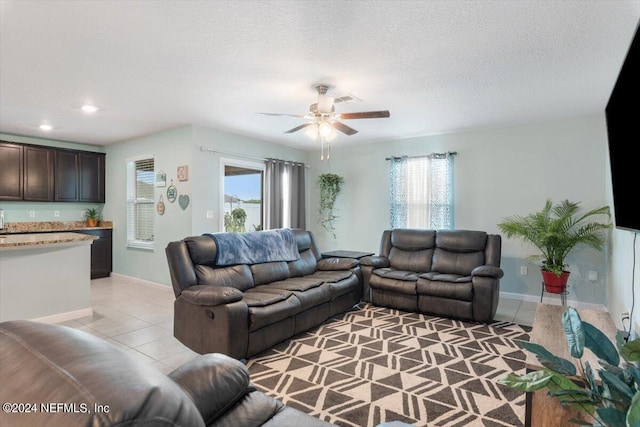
325,104
325,129
312,131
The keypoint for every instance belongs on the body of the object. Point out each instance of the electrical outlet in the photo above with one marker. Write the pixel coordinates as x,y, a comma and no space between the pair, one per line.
81,214
624,316
56,213
32,214
523,270
209,214
593,276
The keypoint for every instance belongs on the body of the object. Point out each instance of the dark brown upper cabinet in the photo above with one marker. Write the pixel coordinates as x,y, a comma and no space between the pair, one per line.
66,177
38,174
92,177
11,182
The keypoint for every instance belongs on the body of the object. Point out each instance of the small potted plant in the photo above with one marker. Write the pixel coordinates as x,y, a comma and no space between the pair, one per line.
93,216
608,395
556,230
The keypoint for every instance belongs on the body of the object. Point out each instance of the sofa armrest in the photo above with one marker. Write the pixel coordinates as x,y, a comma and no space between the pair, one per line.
209,296
375,261
214,381
488,271
337,263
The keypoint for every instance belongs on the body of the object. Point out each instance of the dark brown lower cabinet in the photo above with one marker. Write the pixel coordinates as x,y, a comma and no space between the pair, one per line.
101,252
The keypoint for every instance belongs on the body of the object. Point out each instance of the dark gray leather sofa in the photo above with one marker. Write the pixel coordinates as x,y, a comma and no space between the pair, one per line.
57,376
452,273
241,310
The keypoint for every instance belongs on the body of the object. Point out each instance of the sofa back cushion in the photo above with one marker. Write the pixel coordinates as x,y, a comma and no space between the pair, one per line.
237,276
410,250
459,251
309,255
269,272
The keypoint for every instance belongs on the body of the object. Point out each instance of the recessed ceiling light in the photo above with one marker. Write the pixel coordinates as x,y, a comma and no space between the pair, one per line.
46,127
88,108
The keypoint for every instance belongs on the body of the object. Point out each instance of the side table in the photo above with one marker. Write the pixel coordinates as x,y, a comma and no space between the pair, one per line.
346,254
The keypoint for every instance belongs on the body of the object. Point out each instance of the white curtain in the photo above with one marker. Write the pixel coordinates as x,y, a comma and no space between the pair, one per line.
421,191
284,194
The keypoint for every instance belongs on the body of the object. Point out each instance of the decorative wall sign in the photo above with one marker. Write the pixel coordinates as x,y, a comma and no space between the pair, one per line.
183,201
172,192
183,173
160,206
161,179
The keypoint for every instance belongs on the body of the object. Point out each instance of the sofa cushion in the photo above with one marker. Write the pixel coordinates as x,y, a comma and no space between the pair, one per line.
393,285
202,250
450,262
441,277
238,276
304,265
460,290
413,260
269,272
266,308
392,273
296,283
259,297
413,240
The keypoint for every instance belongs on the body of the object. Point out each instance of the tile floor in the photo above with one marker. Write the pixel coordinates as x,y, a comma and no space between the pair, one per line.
138,317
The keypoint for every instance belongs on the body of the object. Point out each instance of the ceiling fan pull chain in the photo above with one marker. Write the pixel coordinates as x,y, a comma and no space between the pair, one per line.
328,150
321,148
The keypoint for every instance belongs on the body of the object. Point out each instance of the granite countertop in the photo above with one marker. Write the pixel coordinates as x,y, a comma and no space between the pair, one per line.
51,226
15,240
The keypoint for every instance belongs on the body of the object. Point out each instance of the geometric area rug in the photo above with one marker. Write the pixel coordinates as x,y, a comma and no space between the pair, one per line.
376,364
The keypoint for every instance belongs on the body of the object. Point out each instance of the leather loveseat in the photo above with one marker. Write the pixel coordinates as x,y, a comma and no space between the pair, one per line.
451,273
52,375
241,309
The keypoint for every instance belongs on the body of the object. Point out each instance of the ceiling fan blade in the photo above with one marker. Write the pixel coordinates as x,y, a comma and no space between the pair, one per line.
346,98
365,115
344,128
297,128
280,114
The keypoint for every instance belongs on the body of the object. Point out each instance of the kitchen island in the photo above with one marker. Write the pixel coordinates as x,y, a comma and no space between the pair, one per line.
45,277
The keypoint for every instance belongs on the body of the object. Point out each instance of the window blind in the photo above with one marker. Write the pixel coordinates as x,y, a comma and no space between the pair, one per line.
140,203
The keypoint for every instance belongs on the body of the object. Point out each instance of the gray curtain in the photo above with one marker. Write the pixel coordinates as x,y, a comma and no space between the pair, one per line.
276,171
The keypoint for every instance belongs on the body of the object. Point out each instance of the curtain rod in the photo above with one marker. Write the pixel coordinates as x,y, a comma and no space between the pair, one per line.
228,153
448,153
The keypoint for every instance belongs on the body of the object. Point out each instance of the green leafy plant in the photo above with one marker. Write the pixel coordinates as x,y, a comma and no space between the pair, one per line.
329,184
556,230
613,400
92,213
234,221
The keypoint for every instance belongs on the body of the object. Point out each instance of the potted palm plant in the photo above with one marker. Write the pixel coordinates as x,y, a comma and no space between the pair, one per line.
556,230
93,216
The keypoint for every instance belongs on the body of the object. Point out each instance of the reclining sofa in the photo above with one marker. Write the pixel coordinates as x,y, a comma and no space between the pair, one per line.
242,293
52,375
451,273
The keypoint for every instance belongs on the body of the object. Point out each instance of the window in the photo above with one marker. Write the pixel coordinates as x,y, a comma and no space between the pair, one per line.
140,203
242,189
422,192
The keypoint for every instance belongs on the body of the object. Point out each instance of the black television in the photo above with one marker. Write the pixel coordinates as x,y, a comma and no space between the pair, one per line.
623,119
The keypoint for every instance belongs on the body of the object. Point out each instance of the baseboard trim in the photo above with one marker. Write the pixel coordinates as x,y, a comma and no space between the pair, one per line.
554,300
139,281
63,317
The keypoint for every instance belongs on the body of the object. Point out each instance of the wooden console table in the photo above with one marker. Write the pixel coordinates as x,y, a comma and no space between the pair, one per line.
543,410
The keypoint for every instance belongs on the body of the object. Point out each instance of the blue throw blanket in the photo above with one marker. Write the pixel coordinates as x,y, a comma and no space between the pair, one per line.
255,247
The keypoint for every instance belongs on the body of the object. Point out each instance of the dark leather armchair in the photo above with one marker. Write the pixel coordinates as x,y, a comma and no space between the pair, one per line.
452,273
64,377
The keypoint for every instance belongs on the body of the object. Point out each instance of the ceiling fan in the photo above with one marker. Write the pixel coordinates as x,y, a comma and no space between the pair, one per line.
324,118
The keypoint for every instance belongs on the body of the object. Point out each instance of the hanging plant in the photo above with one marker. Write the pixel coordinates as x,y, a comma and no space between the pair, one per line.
329,184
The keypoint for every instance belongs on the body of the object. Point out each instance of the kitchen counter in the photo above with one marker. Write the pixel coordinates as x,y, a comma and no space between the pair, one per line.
39,239
50,226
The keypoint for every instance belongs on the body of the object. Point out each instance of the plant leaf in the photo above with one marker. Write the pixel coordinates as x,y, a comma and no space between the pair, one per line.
574,332
633,414
631,350
599,344
531,381
612,417
615,383
580,422
549,360
558,386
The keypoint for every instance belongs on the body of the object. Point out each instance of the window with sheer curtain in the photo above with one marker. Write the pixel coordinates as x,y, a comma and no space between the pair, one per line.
422,191
140,203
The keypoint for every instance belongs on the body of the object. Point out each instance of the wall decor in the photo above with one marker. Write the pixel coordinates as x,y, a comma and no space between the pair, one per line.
161,179
160,206
183,201
183,173
172,192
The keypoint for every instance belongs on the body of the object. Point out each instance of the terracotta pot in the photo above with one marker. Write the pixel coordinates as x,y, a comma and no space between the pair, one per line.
92,222
554,283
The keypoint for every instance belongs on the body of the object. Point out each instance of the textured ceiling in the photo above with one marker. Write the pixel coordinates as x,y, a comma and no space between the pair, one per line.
437,66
